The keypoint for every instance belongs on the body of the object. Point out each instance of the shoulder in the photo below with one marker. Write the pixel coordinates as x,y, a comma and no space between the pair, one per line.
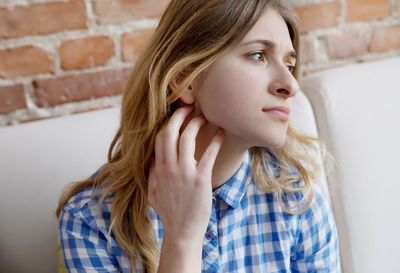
318,221
320,205
84,231
316,243
317,224
84,207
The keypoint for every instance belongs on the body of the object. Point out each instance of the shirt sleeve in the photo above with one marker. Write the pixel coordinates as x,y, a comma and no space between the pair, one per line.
84,248
317,248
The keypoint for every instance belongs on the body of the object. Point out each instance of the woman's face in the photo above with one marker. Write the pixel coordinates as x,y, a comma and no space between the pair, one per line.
238,91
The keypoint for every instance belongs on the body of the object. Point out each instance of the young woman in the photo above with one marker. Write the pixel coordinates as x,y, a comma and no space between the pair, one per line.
206,174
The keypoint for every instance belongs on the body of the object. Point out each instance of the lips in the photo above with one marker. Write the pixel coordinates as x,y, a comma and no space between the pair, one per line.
279,112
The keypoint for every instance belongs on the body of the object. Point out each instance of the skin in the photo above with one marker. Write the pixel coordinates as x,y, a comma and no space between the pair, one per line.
204,144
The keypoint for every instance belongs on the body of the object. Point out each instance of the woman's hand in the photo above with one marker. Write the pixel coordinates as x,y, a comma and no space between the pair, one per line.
180,188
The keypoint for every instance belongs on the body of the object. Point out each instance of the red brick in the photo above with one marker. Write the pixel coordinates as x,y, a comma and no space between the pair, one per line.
120,11
78,87
385,38
319,15
398,8
26,60
86,52
309,50
12,98
133,43
42,18
363,10
347,44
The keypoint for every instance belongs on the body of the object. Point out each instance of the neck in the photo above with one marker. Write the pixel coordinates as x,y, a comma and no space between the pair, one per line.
230,156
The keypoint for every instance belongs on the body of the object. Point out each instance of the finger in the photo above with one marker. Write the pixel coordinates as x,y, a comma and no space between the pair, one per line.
171,134
187,141
207,161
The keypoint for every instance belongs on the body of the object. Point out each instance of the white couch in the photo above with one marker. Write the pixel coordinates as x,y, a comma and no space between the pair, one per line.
356,108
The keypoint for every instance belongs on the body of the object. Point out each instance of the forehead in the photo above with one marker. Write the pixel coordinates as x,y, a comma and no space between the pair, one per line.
271,26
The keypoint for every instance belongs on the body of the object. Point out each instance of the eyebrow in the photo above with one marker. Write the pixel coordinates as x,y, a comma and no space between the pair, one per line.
269,43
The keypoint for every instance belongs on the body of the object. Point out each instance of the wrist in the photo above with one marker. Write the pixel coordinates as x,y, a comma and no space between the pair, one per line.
183,240
181,255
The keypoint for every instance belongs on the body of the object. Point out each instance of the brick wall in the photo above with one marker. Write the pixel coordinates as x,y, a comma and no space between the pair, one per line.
62,57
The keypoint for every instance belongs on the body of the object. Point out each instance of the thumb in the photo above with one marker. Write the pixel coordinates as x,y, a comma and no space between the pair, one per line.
208,159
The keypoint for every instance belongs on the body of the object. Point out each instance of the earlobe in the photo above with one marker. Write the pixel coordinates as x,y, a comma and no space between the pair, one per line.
187,96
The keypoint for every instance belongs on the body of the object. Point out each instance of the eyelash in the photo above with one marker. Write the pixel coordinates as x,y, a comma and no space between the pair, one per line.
290,67
258,53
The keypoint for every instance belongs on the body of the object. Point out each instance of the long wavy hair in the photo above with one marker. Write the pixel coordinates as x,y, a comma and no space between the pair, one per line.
191,36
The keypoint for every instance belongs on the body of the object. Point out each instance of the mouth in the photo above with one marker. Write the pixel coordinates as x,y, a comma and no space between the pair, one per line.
280,112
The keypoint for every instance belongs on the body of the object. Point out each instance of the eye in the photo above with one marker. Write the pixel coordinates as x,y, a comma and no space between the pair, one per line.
258,56
290,68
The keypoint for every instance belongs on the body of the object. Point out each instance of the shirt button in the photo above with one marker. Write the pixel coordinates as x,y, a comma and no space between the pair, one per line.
209,235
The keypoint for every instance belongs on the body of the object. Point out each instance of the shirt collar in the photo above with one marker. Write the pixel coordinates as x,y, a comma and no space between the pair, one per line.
232,191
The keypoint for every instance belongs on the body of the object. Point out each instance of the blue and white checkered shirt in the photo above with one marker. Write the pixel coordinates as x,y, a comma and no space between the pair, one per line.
248,231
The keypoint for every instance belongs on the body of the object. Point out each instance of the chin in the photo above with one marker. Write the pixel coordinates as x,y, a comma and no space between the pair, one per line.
276,145
271,143
274,138
275,142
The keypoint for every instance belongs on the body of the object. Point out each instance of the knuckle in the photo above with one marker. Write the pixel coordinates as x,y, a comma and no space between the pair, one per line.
203,170
200,119
197,121
170,169
200,180
160,173
186,175
167,133
185,138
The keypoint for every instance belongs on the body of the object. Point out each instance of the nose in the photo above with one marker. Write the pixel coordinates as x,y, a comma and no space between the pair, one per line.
284,83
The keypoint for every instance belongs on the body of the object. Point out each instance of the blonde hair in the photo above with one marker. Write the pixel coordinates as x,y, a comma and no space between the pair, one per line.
191,35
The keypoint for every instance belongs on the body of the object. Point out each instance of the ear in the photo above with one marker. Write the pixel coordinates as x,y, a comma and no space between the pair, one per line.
187,96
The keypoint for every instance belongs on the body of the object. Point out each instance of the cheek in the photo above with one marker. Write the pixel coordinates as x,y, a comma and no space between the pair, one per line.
229,88
218,98
230,107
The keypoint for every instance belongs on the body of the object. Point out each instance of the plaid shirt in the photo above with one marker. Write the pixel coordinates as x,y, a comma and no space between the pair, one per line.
248,231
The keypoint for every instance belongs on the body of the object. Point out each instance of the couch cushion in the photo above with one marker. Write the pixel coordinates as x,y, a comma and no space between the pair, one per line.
357,111
37,160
